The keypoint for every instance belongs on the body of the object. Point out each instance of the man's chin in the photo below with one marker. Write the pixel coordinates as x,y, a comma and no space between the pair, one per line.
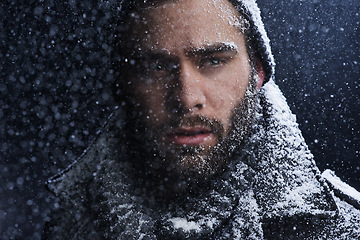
192,166
196,164
185,175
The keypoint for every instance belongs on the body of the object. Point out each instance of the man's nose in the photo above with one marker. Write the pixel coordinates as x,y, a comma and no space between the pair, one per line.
192,88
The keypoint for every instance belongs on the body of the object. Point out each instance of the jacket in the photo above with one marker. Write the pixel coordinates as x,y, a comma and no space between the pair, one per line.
272,189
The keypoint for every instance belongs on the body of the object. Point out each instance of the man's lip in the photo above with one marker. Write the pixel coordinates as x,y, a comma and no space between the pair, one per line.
189,135
190,131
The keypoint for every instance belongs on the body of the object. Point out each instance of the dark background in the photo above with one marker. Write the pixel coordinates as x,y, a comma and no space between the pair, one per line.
55,91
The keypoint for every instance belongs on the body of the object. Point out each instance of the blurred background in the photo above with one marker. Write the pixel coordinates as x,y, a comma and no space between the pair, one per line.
55,91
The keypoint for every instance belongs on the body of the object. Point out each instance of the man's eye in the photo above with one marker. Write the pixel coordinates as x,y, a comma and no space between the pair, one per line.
211,62
156,66
215,61
151,67
162,67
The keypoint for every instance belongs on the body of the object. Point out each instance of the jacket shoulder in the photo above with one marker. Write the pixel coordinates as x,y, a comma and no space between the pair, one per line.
347,199
341,189
81,171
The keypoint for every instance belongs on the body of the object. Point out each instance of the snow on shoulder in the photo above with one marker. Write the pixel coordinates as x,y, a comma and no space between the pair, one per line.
341,189
184,224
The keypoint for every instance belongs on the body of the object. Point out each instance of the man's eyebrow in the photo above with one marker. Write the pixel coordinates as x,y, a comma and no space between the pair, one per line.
213,49
206,50
153,54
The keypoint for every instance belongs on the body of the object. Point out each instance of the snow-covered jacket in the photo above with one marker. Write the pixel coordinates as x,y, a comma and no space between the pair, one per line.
271,189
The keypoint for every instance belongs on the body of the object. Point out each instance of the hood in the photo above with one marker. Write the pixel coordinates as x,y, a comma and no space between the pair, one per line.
258,36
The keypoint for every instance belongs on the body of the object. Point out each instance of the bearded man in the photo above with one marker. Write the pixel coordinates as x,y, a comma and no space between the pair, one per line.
203,145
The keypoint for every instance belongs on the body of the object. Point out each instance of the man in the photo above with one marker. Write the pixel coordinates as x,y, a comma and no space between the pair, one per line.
204,145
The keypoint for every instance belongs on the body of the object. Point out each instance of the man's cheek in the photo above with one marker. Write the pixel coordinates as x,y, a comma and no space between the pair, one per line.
153,106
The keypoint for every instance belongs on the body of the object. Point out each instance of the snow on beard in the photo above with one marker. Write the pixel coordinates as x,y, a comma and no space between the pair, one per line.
192,165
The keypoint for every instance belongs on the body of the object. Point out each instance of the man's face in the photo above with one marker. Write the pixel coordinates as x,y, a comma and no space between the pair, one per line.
189,76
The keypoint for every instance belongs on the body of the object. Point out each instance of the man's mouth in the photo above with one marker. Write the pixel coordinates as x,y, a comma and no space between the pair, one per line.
190,135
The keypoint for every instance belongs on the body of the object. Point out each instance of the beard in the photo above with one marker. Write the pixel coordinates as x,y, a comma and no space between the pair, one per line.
181,167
